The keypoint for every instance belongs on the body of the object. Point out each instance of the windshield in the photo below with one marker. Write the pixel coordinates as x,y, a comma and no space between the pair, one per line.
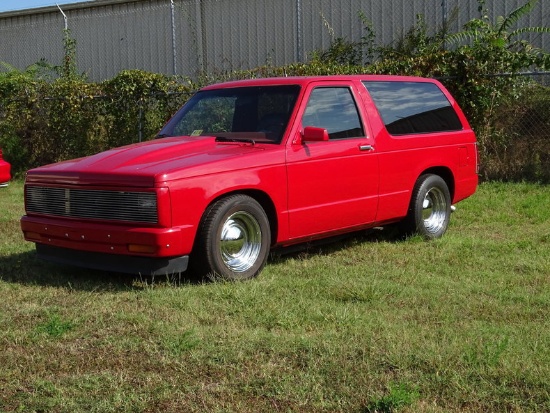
259,113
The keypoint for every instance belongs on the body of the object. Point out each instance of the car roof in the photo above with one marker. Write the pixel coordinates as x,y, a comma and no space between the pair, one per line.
304,80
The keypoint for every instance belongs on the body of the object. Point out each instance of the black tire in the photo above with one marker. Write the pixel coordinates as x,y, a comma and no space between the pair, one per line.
430,208
234,239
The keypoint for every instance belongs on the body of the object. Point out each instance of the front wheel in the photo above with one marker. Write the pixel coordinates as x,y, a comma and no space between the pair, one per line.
234,239
430,207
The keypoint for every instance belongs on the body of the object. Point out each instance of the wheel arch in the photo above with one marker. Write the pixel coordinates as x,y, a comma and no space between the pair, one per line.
445,173
259,196
428,188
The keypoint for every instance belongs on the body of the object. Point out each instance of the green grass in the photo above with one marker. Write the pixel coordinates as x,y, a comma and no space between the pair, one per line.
365,325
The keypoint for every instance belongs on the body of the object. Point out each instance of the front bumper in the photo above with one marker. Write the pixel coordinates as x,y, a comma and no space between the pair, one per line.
112,262
110,247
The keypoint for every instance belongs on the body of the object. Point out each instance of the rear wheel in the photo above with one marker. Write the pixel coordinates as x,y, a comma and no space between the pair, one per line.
234,239
430,208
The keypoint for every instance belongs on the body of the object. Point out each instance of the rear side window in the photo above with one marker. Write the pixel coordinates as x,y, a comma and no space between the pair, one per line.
413,107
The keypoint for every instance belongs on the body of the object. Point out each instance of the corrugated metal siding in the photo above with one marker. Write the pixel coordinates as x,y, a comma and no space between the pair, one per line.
27,39
390,19
113,35
127,36
239,32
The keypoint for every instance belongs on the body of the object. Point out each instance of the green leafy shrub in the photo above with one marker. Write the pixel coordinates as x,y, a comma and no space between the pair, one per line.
479,66
19,120
44,121
517,136
138,103
50,113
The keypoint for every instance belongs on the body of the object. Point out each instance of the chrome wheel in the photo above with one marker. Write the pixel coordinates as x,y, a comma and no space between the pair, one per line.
234,239
435,210
430,208
240,241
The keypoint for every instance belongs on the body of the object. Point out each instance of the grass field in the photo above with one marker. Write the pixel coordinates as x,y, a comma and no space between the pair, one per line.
364,325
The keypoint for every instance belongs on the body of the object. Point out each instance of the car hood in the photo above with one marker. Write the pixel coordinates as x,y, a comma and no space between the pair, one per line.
157,162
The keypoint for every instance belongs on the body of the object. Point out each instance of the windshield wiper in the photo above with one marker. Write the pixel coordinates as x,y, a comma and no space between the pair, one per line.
243,140
162,135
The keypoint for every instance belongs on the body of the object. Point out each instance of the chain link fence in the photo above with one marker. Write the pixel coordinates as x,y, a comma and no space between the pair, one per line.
515,141
188,37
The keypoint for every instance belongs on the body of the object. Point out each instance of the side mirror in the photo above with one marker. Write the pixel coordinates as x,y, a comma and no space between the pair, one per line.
313,134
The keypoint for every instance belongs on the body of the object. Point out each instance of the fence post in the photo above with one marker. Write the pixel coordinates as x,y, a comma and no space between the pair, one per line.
299,39
64,17
444,24
201,46
140,120
173,23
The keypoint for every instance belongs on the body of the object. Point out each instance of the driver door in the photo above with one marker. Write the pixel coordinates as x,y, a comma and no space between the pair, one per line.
333,184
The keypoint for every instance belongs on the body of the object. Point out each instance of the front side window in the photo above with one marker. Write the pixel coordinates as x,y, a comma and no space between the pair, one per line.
257,112
413,107
333,109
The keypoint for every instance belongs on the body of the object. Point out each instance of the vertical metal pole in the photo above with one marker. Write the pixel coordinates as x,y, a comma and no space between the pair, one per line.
299,35
444,12
140,120
173,22
201,45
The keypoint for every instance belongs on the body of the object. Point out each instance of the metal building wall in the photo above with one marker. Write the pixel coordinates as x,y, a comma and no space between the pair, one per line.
27,39
247,33
391,19
210,35
109,37
117,37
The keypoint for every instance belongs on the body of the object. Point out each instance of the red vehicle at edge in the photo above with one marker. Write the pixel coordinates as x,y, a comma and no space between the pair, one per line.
249,165
5,168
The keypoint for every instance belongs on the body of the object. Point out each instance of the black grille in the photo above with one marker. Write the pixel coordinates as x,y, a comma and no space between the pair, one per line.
93,204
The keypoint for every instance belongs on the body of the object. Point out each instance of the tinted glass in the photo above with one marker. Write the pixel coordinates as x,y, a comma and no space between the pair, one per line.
413,107
333,109
260,112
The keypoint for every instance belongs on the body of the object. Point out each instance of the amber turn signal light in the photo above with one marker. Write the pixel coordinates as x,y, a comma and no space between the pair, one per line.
142,249
32,235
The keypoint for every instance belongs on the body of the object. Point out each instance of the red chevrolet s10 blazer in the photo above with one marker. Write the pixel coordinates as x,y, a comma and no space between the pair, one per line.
247,166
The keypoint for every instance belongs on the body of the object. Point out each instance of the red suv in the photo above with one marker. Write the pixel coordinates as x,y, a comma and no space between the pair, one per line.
250,165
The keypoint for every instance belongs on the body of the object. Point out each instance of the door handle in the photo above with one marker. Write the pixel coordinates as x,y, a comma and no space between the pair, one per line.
366,148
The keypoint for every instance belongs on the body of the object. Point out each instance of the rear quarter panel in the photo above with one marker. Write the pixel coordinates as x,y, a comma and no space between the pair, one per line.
404,158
